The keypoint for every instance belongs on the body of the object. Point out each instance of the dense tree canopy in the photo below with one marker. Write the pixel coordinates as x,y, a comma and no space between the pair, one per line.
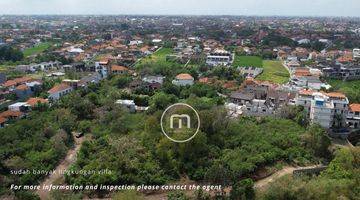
8,53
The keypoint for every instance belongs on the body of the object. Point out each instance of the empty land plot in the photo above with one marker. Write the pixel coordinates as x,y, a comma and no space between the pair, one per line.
247,61
37,49
275,72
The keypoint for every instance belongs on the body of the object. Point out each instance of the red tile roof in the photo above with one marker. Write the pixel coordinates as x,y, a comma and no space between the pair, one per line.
104,62
204,80
58,88
22,87
9,83
184,77
33,101
22,80
336,95
355,107
2,120
118,68
229,84
10,113
306,92
302,72
17,81
250,81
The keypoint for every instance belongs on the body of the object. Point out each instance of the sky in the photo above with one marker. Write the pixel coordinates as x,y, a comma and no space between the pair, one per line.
185,7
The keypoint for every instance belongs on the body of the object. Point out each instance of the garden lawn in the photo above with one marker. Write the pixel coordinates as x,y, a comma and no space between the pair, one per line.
274,71
37,49
247,61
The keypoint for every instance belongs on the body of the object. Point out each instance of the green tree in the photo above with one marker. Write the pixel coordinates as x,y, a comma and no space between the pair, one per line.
161,100
317,140
243,190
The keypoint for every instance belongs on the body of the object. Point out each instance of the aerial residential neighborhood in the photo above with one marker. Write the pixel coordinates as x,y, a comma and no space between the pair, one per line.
271,105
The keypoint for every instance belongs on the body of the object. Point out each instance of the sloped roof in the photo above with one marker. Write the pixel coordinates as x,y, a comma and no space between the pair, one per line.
118,68
59,88
33,101
22,87
355,107
184,77
10,113
9,83
2,120
336,95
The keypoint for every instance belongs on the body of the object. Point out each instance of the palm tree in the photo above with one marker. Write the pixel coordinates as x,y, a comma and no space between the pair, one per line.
337,123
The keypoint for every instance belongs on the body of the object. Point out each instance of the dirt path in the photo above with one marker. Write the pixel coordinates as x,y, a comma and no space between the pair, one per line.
266,181
64,164
259,185
263,183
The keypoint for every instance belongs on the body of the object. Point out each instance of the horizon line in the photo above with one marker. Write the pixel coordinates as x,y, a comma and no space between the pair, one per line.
189,15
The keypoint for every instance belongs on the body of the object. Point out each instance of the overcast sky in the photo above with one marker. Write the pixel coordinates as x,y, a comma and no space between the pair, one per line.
185,7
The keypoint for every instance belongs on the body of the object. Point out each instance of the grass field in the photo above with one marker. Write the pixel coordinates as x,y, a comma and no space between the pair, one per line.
350,88
274,71
158,56
37,49
6,67
247,61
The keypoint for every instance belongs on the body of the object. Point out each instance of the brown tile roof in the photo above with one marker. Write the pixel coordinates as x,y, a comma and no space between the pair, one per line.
306,92
118,68
9,83
184,77
17,81
229,84
22,87
336,95
2,120
9,113
250,81
104,62
204,80
22,80
144,48
355,107
59,88
302,73
33,101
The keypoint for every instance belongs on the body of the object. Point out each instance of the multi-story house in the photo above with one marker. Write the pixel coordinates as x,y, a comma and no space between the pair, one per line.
327,109
258,107
353,117
322,110
341,71
102,68
304,99
219,57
